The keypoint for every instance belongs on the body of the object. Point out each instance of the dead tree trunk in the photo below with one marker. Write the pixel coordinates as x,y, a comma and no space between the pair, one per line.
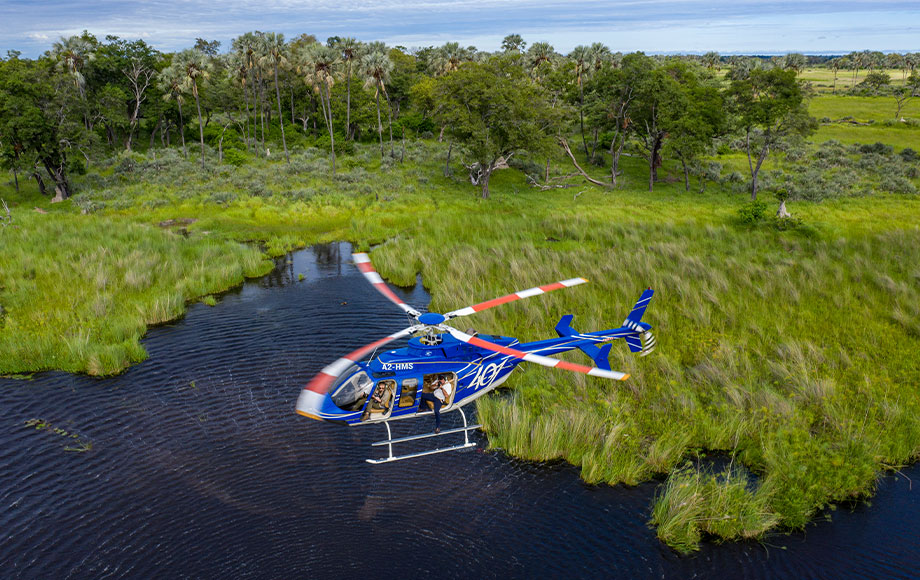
565,147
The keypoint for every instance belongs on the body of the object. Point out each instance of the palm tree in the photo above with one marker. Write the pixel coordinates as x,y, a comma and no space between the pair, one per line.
170,82
711,59
537,54
579,56
246,46
275,53
239,73
447,58
377,67
836,64
598,54
194,65
349,48
513,43
71,55
320,66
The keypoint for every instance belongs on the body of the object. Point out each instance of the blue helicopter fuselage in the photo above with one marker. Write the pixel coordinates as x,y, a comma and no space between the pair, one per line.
389,387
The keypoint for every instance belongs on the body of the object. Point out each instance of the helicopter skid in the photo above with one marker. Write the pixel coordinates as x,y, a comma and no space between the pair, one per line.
389,441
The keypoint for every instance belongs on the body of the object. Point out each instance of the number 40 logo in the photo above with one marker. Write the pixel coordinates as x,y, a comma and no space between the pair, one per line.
486,375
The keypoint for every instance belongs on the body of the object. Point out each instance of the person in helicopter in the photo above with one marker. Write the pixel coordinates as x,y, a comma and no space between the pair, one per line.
438,397
379,397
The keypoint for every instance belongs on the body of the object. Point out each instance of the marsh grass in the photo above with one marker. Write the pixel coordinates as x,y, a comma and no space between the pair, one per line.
727,505
793,351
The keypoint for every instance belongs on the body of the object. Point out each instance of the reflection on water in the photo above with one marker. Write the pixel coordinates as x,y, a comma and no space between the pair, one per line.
200,468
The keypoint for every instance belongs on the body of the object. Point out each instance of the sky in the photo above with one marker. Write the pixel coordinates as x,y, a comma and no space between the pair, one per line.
653,26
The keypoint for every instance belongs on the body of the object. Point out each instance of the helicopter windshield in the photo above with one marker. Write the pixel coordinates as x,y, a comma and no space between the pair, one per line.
350,390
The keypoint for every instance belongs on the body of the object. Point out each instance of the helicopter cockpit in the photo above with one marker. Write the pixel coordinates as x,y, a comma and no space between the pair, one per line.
350,390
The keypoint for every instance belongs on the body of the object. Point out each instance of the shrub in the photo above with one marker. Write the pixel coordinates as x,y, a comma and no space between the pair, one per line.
221,197
752,212
878,148
909,155
234,157
897,184
86,204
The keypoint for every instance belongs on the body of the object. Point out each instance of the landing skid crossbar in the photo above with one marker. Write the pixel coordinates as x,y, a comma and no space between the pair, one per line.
389,441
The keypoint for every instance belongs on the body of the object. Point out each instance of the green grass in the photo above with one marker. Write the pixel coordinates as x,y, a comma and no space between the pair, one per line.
823,78
876,110
861,109
794,352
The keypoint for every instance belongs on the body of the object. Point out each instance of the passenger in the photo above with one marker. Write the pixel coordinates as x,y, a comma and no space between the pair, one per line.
438,397
379,396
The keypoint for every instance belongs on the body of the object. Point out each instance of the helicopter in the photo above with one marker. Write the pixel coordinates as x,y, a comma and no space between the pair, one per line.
389,386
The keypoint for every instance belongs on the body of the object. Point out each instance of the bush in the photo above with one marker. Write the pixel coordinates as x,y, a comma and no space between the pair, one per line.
221,197
86,204
752,212
235,157
897,184
909,155
878,148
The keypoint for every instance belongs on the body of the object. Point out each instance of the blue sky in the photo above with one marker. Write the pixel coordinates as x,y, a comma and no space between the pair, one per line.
655,26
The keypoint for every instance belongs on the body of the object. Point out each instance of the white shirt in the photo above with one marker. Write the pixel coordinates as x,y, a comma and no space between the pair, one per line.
443,395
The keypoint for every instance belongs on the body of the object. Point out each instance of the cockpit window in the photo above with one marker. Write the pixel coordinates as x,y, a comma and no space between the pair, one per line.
351,390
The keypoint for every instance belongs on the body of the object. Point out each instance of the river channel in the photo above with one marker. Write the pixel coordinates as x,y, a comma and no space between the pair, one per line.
199,468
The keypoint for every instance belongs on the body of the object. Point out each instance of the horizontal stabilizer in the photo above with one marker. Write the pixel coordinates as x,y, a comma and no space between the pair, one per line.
564,326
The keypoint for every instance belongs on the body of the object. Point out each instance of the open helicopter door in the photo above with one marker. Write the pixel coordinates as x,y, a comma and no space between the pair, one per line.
389,441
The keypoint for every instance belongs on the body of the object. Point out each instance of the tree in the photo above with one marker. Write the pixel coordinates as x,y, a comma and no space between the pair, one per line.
34,121
320,66
513,43
140,71
699,119
207,47
712,60
580,56
659,101
275,54
494,111
874,83
349,48
599,55
193,66
377,67
72,55
170,82
770,106
906,92
836,64
540,54
448,58
794,61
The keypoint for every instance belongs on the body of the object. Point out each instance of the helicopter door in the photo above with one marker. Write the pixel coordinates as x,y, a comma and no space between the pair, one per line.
380,404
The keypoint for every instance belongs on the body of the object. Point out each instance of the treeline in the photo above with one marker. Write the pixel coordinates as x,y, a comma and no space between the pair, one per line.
85,98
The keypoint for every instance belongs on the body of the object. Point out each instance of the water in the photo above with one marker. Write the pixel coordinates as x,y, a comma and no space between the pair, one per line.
200,469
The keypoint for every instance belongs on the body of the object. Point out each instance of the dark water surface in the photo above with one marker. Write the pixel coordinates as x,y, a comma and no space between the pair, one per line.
201,469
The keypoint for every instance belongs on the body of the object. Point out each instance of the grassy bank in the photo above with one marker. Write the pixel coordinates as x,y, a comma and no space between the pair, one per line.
789,352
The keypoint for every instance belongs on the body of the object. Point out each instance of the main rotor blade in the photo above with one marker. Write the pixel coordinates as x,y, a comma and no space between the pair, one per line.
363,262
515,296
535,358
322,381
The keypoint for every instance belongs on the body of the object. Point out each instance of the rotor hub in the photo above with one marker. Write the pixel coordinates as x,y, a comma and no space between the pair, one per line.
431,318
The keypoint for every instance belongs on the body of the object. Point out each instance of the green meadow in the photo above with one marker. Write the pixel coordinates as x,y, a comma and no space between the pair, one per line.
787,351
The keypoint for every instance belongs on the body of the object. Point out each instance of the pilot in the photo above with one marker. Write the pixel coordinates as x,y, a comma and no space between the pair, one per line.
438,397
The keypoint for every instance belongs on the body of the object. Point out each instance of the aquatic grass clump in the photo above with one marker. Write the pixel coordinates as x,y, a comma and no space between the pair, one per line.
726,505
